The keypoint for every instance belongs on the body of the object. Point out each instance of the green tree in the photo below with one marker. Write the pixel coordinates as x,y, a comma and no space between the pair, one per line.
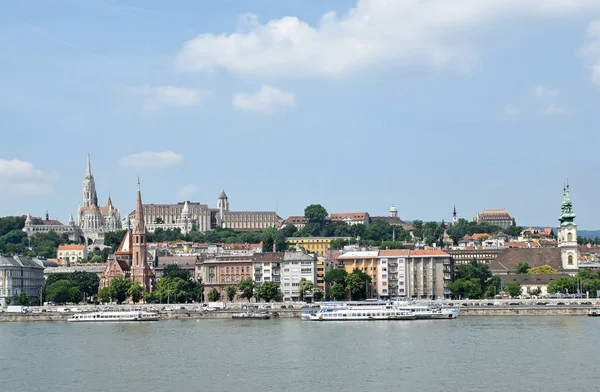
493,287
357,284
104,295
338,292
305,287
268,291
318,294
75,295
513,289
120,289
136,292
214,295
23,299
58,292
522,268
315,213
392,245
543,270
336,275
338,243
466,288
231,291
246,288
273,236
96,258
563,284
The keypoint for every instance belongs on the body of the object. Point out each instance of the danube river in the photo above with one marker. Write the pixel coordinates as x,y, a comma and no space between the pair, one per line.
468,354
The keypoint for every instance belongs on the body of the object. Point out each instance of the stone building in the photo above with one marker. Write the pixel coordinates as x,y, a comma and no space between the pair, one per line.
221,271
72,253
495,217
185,215
19,274
92,220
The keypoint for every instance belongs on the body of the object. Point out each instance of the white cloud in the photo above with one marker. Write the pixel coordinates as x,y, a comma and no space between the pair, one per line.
186,191
267,100
511,111
542,91
552,110
591,50
160,96
152,159
437,33
22,178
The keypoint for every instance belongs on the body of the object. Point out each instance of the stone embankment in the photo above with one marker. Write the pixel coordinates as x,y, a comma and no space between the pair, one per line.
524,310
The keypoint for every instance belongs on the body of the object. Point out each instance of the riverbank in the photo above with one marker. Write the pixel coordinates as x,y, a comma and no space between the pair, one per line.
295,313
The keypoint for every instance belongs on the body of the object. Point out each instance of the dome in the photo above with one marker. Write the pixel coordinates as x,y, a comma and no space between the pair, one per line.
393,208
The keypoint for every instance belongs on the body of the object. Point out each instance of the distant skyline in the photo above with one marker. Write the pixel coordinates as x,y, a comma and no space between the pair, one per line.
355,105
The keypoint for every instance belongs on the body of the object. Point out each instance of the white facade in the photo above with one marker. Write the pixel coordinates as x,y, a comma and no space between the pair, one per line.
19,274
392,276
295,266
567,241
72,253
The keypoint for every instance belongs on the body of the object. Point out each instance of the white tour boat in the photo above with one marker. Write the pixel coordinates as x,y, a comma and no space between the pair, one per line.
360,311
429,312
114,316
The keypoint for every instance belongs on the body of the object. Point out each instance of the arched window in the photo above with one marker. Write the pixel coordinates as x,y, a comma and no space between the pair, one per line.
570,259
569,236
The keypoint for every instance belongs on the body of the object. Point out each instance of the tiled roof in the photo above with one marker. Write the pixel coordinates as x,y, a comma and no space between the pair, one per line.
268,256
393,252
71,247
297,256
478,236
532,279
348,215
362,254
508,259
430,252
51,222
295,219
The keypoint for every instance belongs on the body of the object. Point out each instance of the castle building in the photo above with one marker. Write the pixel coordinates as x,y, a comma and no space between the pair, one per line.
92,220
131,258
495,217
186,215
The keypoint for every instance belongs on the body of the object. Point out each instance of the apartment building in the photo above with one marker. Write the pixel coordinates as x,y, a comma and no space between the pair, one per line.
267,267
296,265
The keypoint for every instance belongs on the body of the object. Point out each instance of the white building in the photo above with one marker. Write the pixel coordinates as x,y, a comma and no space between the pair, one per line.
296,265
567,233
72,253
266,267
391,273
19,274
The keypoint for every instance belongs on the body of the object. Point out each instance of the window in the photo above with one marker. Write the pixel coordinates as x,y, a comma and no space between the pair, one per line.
570,238
570,258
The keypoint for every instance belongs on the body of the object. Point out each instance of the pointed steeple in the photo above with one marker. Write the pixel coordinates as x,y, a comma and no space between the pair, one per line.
71,221
223,195
28,219
140,225
88,171
109,202
454,212
567,215
185,211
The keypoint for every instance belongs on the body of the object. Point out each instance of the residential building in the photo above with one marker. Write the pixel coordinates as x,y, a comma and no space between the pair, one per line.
92,220
318,245
267,267
323,266
72,253
429,273
296,265
185,215
298,221
351,218
221,271
366,261
131,258
391,273
482,255
19,274
499,217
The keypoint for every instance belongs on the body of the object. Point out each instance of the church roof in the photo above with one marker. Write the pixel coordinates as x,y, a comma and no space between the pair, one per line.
223,195
508,259
126,244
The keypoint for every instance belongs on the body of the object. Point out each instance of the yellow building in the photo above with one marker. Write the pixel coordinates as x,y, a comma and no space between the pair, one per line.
365,261
317,245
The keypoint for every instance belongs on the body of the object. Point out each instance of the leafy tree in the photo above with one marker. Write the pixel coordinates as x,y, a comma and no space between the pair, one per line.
472,280
135,292
231,291
75,295
246,288
23,299
58,292
119,287
305,287
214,295
289,230
315,213
542,269
338,243
336,275
522,268
417,228
466,288
564,284
338,291
268,291
273,236
357,284
104,295
175,271
318,294
392,245
493,287
96,258
513,289
113,239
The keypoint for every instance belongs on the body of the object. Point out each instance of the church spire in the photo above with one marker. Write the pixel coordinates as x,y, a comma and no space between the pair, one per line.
567,215
88,171
140,225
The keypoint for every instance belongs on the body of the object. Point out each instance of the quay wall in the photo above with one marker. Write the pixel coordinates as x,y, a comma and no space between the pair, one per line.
295,313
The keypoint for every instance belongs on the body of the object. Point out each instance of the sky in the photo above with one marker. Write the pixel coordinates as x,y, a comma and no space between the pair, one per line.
355,105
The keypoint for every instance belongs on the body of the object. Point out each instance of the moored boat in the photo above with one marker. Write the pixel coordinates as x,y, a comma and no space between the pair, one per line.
251,315
595,312
362,312
114,316
429,312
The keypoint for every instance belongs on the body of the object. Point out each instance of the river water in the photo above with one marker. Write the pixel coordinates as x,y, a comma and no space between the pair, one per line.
468,354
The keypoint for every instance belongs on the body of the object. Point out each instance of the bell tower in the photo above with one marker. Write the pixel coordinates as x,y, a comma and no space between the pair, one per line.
140,270
567,232
90,197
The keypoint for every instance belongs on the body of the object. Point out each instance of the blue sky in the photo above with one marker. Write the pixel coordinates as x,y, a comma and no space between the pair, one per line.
283,104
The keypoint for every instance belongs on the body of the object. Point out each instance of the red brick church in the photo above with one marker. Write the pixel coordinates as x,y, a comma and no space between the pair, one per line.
131,258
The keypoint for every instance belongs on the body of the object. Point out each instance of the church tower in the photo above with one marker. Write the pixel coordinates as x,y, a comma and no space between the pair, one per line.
567,232
393,212
140,270
222,206
454,216
90,198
